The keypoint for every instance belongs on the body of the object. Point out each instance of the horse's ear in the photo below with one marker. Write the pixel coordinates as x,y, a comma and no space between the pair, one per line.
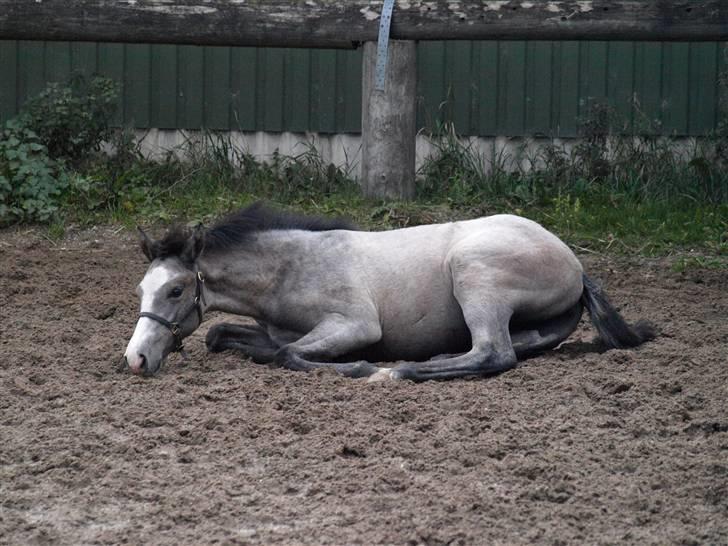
193,246
146,244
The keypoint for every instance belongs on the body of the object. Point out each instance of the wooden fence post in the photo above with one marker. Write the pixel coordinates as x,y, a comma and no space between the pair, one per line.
389,123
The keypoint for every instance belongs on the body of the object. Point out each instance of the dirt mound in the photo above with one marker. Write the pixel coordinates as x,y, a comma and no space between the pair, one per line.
574,446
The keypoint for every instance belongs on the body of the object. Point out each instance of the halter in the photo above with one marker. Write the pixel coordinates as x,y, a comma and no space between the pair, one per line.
174,327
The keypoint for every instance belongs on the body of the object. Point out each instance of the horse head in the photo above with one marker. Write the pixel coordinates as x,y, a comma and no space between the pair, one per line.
171,295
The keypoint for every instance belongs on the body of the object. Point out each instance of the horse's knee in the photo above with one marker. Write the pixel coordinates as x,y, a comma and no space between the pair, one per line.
491,359
285,357
499,361
289,358
213,339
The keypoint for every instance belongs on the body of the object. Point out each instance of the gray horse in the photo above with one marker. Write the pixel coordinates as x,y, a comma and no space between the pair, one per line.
443,301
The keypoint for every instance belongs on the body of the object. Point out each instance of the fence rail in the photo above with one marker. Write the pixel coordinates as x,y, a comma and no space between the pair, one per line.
345,23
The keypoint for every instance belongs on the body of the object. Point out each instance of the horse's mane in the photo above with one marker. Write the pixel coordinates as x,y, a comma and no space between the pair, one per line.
235,229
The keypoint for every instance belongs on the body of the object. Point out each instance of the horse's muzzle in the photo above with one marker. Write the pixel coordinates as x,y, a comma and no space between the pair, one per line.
138,367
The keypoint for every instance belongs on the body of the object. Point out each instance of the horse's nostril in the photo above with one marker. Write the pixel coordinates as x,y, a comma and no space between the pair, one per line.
138,364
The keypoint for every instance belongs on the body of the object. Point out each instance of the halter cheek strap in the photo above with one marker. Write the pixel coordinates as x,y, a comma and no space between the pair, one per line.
174,327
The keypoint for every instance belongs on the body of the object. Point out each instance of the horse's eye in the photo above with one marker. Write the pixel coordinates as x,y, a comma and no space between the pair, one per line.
176,292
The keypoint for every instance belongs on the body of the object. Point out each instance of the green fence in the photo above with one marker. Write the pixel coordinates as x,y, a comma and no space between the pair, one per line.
485,88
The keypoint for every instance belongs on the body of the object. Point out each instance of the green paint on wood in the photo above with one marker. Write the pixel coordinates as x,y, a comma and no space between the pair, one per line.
675,80
539,88
84,58
57,61
190,87
271,90
648,88
298,89
569,98
703,86
8,78
354,92
216,80
485,88
243,75
323,96
164,87
620,82
430,83
458,59
348,92
31,74
137,108
111,65
512,89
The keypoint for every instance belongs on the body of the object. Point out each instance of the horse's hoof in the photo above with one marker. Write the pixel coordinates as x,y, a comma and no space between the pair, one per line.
382,374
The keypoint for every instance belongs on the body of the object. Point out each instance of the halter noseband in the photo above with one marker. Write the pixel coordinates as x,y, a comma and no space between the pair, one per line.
174,327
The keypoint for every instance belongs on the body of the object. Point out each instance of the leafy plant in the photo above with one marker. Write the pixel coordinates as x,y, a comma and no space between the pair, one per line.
30,181
59,129
72,120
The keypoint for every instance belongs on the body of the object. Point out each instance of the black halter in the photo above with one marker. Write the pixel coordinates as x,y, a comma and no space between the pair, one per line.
174,327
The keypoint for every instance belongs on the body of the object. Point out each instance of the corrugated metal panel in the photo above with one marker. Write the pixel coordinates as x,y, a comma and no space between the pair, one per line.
111,64
485,88
8,79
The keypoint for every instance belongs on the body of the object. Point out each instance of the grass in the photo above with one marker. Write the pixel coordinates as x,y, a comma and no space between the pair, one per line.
671,209
686,263
612,191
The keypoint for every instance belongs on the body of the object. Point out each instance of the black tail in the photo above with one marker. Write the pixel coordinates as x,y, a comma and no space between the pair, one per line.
614,331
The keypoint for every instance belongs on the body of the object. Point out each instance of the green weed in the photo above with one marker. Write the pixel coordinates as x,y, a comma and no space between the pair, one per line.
31,182
612,191
687,263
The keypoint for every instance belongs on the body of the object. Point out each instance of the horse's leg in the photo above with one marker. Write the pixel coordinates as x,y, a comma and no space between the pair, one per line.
253,341
546,335
539,337
334,336
491,352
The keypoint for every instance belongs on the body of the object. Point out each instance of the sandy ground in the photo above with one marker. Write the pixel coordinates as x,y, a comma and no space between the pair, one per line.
572,447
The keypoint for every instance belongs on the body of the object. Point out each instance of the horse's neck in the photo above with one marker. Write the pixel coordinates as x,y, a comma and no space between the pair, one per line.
240,281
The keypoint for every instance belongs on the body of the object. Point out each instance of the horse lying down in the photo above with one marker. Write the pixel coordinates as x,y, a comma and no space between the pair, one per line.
442,301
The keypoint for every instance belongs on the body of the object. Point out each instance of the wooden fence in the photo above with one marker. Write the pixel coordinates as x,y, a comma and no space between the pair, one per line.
388,116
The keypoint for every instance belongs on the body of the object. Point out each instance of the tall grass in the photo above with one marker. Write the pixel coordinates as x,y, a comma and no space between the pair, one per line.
647,196
641,167
205,176
638,192
612,189
643,193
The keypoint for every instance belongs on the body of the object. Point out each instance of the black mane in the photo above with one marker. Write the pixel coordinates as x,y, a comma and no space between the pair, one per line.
234,229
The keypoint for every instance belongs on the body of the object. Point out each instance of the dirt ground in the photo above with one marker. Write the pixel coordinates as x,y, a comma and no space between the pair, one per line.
572,447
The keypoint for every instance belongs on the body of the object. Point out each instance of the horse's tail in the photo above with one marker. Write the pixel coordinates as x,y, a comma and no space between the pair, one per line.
613,330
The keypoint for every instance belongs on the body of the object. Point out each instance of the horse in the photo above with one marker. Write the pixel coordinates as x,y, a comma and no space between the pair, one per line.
439,301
